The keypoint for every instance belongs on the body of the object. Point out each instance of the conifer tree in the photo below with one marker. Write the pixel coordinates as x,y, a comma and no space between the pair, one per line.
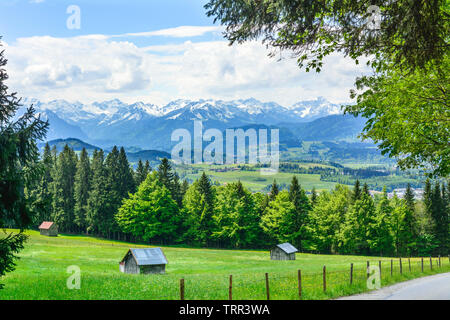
439,215
97,207
302,207
409,198
274,191
313,196
63,190
40,192
356,191
142,172
82,188
366,189
19,158
170,180
125,175
184,187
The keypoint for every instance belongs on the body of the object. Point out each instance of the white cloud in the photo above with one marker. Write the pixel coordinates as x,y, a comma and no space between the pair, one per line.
92,68
178,32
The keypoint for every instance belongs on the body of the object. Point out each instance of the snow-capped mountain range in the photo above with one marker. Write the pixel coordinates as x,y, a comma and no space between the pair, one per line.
144,124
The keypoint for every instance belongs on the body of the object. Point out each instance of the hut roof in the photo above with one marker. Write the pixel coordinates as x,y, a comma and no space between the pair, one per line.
147,256
287,247
46,225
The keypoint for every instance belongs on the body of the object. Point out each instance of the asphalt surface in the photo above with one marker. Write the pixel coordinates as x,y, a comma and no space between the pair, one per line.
435,287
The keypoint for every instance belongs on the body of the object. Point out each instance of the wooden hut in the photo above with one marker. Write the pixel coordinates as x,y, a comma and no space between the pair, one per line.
143,261
49,229
284,251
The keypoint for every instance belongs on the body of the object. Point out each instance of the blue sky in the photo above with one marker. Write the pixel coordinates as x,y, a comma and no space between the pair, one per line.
26,18
149,50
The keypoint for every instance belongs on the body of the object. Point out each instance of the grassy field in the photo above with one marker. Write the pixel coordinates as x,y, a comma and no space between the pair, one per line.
256,182
41,272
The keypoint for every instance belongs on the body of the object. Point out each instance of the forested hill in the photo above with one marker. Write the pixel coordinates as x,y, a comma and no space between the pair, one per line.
134,154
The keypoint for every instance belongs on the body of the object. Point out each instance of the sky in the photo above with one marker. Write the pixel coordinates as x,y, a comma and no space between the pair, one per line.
154,51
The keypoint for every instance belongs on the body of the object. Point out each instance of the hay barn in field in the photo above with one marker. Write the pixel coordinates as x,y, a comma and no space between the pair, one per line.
284,251
144,261
49,229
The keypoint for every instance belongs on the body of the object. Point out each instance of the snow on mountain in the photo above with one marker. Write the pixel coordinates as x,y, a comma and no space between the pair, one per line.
247,110
144,124
314,109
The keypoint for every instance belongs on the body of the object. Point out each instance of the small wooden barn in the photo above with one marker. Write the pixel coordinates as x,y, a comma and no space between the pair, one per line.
144,261
284,251
49,229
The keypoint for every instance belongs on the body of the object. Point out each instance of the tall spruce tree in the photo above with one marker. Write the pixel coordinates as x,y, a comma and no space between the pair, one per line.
63,190
439,215
302,208
142,172
410,220
356,191
409,198
19,158
125,175
313,196
97,206
40,192
82,188
274,191
366,189
170,180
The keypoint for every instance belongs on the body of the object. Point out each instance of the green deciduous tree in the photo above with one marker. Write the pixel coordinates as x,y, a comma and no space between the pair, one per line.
150,214
236,216
327,219
408,115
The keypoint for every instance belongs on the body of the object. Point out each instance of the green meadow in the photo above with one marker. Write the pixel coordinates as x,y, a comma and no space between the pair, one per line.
41,272
255,181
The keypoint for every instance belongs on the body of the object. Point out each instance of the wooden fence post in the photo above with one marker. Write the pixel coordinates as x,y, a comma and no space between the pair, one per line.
439,261
230,288
379,267
267,286
431,264
392,261
181,289
409,264
422,264
351,273
300,284
324,278
401,269
367,271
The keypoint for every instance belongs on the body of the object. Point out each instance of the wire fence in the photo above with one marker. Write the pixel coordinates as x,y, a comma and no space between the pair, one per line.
315,284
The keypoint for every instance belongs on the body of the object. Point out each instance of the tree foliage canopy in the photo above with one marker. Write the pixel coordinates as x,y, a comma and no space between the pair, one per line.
408,115
411,33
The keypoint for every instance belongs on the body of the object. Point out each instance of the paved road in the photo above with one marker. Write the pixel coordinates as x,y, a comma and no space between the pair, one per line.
436,287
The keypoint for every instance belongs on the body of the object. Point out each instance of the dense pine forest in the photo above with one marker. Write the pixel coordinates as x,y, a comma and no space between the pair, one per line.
104,196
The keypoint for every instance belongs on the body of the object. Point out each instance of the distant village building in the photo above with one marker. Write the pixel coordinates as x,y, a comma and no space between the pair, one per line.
400,192
144,261
284,251
49,229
